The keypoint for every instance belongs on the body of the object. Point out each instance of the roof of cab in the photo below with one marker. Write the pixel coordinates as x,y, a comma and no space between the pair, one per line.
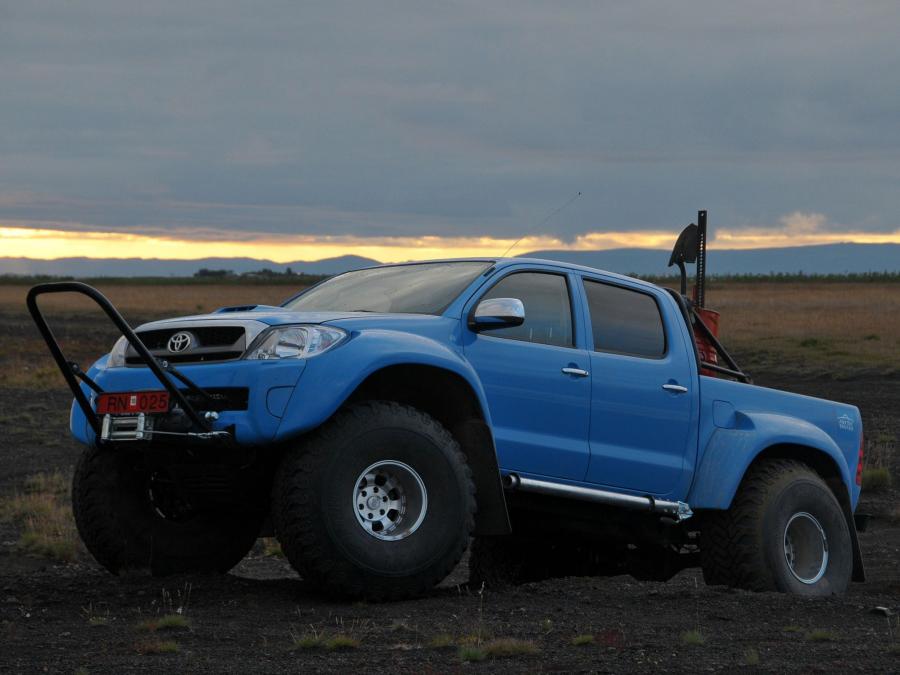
507,262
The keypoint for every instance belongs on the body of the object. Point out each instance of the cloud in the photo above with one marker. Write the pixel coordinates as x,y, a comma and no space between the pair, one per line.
458,120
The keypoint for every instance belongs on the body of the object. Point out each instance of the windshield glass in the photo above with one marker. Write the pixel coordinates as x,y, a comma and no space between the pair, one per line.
423,288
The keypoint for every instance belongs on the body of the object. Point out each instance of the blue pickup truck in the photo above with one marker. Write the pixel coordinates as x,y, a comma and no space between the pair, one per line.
378,421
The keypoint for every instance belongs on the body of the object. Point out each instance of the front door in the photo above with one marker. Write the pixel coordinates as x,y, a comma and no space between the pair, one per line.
536,381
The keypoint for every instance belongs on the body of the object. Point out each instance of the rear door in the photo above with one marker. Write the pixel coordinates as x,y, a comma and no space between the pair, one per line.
539,411
642,406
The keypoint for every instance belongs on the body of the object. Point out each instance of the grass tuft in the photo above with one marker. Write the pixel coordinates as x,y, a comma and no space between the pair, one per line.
271,548
876,479
307,641
820,635
472,653
792,629
441,641
693,637
582,640
341,642
751,657
166,622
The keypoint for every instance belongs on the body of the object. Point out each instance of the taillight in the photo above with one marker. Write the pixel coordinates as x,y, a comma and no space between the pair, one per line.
859,461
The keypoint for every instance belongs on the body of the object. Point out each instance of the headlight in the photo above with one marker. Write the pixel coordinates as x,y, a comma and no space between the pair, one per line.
117,354
295,342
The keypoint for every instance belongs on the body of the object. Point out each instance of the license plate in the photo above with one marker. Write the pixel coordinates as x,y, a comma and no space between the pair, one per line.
126,403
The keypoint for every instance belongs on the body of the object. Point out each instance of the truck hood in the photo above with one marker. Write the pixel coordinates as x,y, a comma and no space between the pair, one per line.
270,316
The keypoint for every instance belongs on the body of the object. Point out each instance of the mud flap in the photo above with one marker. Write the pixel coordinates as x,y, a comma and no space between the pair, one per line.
492,517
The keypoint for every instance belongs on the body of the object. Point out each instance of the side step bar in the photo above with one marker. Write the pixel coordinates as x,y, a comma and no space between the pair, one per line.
677,510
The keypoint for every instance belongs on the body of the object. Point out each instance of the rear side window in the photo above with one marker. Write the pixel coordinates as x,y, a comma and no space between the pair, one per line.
625,321
548,312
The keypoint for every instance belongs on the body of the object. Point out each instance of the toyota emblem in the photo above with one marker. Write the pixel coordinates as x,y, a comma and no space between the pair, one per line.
179,342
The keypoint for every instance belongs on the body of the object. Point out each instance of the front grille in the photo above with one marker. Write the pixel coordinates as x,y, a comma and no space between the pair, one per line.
207,336
208,344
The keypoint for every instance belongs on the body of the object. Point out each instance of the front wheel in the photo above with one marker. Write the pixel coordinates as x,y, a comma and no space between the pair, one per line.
378,503
131,517
785,531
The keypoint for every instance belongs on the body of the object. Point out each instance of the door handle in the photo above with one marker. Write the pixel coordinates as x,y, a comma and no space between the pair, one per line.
575,371
675,388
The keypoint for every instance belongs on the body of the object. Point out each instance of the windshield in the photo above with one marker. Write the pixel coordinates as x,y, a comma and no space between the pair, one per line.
423,288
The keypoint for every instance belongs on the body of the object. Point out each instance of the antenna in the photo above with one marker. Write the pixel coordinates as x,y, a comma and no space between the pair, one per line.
543,222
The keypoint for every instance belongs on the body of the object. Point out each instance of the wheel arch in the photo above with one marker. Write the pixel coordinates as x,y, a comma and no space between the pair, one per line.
730,453
451,399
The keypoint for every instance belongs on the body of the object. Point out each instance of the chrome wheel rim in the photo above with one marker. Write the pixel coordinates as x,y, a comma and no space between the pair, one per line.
390,500
805,548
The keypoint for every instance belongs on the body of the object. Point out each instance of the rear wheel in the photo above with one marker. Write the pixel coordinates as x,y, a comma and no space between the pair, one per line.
379,503
785,531
131,517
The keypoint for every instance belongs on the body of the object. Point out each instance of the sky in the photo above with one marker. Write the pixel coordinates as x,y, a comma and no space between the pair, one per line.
408,130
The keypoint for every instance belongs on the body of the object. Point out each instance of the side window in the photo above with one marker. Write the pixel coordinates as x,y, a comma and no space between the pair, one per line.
625,321
548,311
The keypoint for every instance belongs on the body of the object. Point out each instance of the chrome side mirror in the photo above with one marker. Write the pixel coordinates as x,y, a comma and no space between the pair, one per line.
497,313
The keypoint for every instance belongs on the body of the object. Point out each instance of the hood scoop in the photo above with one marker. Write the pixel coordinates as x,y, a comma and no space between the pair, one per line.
248,308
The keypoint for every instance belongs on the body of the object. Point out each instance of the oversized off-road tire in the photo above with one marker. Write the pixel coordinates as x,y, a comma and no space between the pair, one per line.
122,527
378,503
785,531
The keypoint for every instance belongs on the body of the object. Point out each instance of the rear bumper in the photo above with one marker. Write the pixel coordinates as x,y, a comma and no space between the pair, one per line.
269,386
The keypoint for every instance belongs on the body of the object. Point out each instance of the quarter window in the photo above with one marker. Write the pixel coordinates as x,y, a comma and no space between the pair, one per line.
548,311
625,321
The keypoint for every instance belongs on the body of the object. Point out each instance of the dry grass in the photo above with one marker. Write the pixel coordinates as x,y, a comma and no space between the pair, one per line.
876,479
497,649
271,548
821,636
693,637
44,516
751,657
441,641
144,298
471,653
812,325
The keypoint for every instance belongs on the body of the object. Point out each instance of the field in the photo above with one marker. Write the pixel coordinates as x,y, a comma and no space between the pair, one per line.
60,612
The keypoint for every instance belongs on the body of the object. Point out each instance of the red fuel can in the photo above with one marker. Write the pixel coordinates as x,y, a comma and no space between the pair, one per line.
710,318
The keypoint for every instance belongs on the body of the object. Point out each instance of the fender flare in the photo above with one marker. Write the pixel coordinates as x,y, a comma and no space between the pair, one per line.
334,377
730,452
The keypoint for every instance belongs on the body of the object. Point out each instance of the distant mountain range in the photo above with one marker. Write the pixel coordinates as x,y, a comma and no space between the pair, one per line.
825,259
821,259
